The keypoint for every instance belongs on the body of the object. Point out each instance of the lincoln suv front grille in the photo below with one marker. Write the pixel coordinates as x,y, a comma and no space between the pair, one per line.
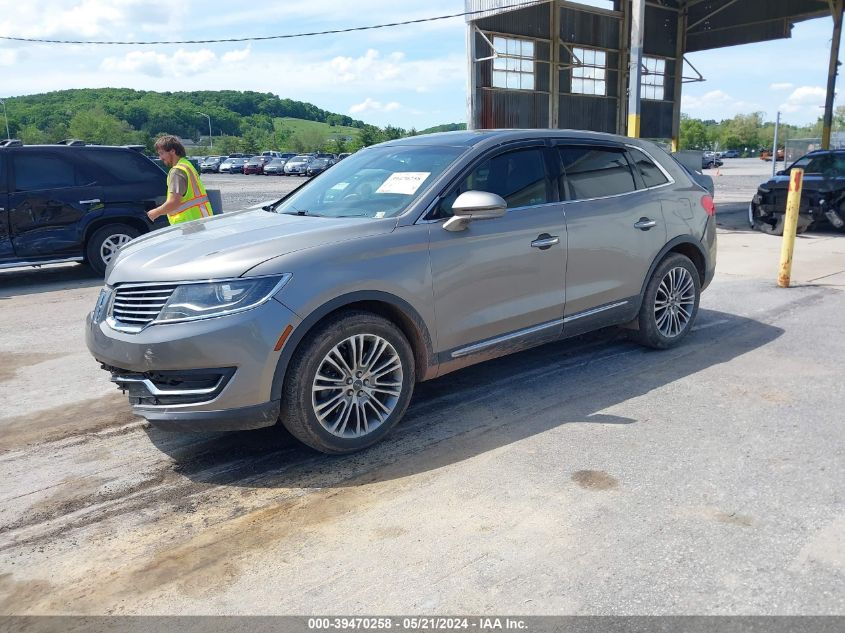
136,306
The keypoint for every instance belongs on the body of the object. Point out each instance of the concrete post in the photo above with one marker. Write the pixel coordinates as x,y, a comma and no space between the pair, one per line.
635,67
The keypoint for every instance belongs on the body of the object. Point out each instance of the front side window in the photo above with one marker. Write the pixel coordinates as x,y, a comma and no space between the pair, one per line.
654,78
376,182
35,171
513,66
589,73
519,177
652,176
591,172
2,174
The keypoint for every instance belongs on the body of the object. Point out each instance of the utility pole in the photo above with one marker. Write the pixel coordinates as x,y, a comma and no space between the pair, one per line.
775,148
836,8
210,137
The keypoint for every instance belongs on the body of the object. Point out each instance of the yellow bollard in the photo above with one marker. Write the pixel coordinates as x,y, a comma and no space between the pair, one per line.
790,226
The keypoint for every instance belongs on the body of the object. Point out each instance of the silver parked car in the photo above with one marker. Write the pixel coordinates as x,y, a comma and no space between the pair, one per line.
403,262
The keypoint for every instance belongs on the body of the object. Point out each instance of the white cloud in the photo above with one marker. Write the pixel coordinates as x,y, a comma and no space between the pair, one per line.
782,86
233,57
805,99
371,105
716,104
90,18
182,63
369,66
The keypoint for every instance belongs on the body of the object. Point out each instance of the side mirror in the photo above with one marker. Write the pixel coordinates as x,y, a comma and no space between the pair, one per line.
475,205
780,172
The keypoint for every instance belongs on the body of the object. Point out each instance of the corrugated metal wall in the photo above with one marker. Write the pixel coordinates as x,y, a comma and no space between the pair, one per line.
582,27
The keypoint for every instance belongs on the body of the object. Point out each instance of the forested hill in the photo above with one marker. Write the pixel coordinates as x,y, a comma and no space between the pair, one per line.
232,113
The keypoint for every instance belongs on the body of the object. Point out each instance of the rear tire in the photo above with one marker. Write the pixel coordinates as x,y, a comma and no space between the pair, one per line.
104,244
670,303
348,383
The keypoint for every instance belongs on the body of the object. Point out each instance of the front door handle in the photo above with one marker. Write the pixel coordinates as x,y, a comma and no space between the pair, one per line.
545,241
644,224
91,201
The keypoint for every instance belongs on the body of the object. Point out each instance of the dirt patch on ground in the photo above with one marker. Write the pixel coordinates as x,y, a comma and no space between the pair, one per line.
86,416
11,362
594,480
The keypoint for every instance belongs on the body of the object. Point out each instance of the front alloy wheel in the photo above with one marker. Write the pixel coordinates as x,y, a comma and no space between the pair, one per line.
348,383
357,386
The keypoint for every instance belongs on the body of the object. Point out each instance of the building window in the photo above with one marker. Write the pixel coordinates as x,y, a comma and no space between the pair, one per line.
513,67
654,77
590,76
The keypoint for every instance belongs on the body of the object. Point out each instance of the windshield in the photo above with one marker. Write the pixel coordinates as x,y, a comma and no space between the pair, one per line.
377,183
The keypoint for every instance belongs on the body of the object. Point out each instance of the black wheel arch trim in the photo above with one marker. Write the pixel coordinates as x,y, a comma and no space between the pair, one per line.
667,248
424,355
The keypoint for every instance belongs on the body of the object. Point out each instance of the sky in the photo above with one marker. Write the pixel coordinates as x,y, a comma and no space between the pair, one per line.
407,76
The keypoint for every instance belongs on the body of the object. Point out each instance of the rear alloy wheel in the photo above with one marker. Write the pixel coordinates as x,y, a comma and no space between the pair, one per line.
348,383
103,245
670,304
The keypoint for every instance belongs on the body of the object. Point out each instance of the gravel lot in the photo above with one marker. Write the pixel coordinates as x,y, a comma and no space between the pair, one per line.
588,477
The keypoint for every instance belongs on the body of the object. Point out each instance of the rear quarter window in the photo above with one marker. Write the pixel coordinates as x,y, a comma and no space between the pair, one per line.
125,167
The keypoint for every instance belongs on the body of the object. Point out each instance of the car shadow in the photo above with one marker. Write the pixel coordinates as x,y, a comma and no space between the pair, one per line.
478,409
15,282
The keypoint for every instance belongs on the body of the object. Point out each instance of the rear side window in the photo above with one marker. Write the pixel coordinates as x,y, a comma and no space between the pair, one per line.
35,171
124,167
591,172
519,177
652,176
3,176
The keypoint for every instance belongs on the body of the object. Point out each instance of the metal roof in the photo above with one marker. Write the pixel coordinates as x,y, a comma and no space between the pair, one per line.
711,23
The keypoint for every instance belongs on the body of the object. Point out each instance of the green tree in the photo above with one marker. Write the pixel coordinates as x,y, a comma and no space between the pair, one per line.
369,135
693,134
96,126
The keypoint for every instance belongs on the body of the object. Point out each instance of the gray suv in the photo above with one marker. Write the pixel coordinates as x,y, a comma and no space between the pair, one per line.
404,262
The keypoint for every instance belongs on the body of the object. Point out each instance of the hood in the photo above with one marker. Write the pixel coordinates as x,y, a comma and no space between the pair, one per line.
229,245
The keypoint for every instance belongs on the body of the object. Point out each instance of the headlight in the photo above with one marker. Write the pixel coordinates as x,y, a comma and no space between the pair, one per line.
204,300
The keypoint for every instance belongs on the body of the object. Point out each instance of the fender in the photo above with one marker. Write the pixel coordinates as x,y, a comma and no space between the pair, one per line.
682,239
425,358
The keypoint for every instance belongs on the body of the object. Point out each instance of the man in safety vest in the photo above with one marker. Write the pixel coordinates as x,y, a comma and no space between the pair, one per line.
186,196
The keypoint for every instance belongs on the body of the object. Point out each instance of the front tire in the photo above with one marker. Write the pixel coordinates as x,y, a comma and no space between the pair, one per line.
348,383
104,244
670,303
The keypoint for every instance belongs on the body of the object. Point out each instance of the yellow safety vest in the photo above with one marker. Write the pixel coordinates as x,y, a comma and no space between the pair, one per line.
194,204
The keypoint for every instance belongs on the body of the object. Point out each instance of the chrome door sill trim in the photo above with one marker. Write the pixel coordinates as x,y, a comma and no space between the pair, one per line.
65,260
587,313
507,337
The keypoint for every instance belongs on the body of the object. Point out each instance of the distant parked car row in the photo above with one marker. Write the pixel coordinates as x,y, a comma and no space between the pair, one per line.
271,163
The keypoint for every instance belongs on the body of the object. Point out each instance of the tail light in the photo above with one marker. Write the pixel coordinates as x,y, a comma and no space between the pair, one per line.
708,204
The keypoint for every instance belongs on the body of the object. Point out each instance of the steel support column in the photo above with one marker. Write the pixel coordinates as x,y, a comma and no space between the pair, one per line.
635,67
680,47
471,87
836,6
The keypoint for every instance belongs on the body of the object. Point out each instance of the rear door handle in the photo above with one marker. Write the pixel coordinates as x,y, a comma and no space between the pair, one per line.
91,201
545,241
644,224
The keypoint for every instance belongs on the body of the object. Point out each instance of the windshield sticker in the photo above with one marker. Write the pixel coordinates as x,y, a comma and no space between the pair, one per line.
404,182
340,186
381,214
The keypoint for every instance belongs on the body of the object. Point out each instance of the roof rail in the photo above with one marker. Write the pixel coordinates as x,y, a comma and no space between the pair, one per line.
11,142
74,142
137,148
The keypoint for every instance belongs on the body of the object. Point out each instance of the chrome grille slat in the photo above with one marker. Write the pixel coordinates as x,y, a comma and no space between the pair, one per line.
136,306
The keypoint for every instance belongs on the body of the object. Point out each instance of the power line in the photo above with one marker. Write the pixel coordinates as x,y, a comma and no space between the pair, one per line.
272,37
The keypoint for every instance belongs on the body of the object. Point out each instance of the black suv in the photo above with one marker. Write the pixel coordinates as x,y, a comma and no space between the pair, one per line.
822,194
62,203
